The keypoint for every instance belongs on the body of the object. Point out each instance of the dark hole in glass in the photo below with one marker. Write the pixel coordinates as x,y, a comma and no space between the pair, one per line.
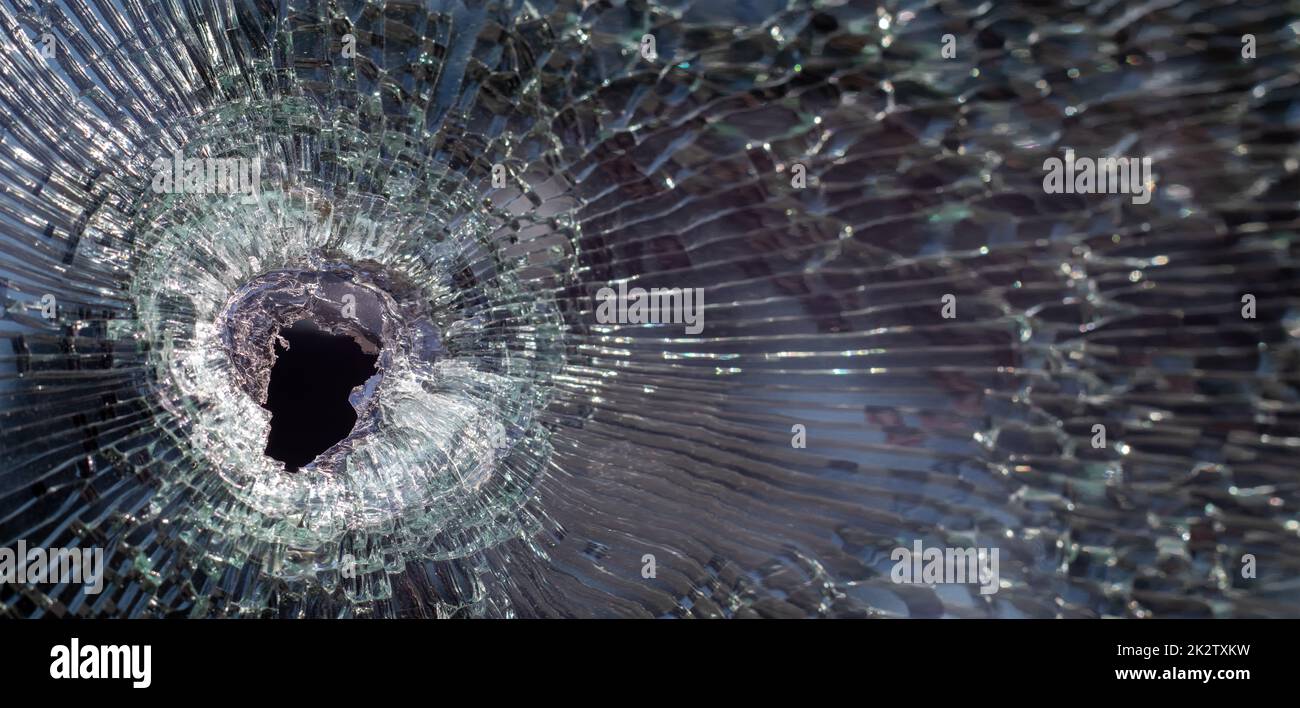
308,393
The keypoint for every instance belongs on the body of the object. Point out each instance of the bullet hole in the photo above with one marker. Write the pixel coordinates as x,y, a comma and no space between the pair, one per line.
308,392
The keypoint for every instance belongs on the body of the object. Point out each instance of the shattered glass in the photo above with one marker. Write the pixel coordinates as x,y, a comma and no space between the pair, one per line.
515,457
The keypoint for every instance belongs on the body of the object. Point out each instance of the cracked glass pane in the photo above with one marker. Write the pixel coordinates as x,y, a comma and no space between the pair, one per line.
693,308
